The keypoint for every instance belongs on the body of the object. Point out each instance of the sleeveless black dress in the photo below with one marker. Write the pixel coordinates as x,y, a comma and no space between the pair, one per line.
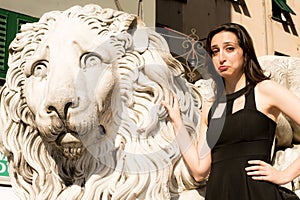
247,134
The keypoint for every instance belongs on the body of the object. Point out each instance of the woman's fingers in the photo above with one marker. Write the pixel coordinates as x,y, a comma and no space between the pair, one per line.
260,170
166,104
173,103
258,173
255,168
174,100
173,108
257,162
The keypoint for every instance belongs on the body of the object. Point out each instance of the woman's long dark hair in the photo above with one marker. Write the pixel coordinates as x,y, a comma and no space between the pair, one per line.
253,71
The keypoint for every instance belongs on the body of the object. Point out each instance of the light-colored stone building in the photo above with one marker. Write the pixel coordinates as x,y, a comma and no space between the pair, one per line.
273,24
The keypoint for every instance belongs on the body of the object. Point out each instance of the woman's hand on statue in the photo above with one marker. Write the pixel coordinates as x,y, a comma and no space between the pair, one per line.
260,170
173,109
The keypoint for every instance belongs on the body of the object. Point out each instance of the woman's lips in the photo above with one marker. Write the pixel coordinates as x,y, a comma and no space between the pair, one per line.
223,68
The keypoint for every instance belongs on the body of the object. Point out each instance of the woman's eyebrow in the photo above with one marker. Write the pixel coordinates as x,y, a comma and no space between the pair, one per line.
224,43
230,42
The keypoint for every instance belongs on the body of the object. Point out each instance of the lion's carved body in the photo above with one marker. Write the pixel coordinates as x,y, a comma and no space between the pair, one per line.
81,113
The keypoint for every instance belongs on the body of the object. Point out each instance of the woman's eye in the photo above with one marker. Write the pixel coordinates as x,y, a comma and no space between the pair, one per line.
230,48
90,60
40,69
214,52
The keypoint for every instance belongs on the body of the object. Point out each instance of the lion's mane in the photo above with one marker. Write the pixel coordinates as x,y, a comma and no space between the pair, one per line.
142,159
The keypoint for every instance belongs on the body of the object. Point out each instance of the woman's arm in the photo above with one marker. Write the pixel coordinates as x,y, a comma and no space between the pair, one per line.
197,157
272,99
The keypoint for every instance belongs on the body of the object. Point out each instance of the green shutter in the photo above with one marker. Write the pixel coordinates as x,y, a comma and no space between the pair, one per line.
283,6
10,24
3,22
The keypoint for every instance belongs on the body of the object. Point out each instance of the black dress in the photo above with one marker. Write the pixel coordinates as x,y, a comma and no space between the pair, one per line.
247,134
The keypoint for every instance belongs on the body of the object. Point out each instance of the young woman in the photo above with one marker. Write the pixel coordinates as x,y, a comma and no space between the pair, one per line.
238,161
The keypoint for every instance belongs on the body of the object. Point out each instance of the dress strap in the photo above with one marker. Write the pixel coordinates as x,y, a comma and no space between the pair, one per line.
250,99
232,97
235,95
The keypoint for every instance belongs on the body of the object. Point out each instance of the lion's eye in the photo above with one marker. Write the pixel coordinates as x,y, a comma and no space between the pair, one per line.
90,60
40,69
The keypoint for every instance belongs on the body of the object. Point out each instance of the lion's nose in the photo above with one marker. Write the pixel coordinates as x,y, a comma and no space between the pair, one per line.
60,108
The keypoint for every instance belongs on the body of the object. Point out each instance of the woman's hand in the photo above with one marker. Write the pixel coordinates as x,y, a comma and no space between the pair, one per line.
173,109
261,170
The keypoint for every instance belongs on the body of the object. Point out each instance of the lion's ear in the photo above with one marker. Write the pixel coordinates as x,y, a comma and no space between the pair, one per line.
135,27
140,40
140,37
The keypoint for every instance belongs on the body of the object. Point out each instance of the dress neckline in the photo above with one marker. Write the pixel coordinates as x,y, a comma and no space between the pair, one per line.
238,93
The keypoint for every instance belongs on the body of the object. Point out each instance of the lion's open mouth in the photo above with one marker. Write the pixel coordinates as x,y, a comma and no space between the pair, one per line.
70,145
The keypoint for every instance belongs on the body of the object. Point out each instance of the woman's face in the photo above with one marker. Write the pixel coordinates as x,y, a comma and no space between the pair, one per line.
227,55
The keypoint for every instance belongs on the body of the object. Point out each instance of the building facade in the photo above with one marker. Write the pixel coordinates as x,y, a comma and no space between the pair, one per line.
273,24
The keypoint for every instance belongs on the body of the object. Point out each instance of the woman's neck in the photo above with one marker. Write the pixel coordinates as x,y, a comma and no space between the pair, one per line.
233,85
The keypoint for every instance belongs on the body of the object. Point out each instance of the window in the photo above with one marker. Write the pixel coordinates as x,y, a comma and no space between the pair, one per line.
280,54
10,24
281,11
238,2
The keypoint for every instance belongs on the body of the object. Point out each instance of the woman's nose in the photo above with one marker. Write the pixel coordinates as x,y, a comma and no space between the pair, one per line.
222,57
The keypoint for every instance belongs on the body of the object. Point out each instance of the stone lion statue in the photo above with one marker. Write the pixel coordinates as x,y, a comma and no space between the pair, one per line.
285,70
81,112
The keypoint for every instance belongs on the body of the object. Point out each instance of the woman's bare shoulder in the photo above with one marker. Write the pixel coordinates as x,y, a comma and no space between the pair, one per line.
267,84
270,88
275,94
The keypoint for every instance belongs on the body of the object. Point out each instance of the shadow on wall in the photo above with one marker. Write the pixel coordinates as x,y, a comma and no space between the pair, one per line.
185,24
240,6
183,16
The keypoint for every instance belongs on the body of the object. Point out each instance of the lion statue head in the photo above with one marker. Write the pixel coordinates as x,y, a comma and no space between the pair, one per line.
81,112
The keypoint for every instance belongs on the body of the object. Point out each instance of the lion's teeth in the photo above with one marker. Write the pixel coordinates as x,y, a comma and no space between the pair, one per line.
65,150
72,151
